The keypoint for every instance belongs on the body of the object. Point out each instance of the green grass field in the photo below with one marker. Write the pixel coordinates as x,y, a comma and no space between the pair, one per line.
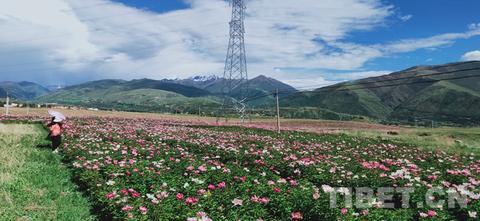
34,185
450,139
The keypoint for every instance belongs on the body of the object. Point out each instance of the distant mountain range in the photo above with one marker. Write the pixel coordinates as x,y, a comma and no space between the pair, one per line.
443,93
22,90
418,93
185,95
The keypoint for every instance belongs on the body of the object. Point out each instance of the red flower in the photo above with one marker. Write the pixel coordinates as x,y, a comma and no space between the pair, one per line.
124,192
179,196
211,187
135,194
277,190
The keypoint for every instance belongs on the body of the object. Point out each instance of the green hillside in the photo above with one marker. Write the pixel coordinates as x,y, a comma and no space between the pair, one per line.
417,93
443,101
123,95
22,90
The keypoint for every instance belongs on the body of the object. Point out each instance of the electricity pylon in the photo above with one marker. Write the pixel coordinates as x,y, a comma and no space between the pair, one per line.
235,75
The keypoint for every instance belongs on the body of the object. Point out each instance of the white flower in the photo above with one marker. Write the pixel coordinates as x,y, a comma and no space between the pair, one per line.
472,214
237,202
327,189
344,190
111,183
198,181
150,196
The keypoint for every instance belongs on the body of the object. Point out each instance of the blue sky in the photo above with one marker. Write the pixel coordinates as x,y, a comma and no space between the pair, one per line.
160,6
69,41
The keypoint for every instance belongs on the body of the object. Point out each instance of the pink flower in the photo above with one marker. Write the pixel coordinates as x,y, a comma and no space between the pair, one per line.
243,178
191,201
201,192
127,208
135,195
316,195
179,196
297,216
264,200
431,213
202,168
333,170
365,212
162,195
221,185
293,182
143,210
344,211
277,190
111,195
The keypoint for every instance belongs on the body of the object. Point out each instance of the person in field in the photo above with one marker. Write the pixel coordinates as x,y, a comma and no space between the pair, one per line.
55,134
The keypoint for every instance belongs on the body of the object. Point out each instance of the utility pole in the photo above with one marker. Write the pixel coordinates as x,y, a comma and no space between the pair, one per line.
7,106
278,111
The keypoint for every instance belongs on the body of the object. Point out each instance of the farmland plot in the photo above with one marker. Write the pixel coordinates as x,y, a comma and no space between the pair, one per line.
165,170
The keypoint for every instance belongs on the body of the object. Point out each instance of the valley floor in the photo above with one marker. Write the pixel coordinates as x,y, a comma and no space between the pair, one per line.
452,139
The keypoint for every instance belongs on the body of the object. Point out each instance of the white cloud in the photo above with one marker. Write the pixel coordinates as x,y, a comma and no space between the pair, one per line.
71,41
405,17
471,56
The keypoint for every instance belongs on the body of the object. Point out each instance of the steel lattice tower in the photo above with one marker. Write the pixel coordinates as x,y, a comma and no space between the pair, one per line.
235,90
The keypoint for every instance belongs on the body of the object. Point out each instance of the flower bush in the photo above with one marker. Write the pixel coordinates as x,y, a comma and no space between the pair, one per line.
166,170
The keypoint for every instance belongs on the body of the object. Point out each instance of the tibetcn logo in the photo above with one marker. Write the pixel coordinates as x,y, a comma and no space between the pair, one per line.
391,198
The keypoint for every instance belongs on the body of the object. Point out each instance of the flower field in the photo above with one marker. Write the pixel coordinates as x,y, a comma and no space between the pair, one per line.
167,170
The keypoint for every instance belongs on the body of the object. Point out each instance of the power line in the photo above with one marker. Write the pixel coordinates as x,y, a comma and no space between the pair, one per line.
406,72
391,85
380,86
